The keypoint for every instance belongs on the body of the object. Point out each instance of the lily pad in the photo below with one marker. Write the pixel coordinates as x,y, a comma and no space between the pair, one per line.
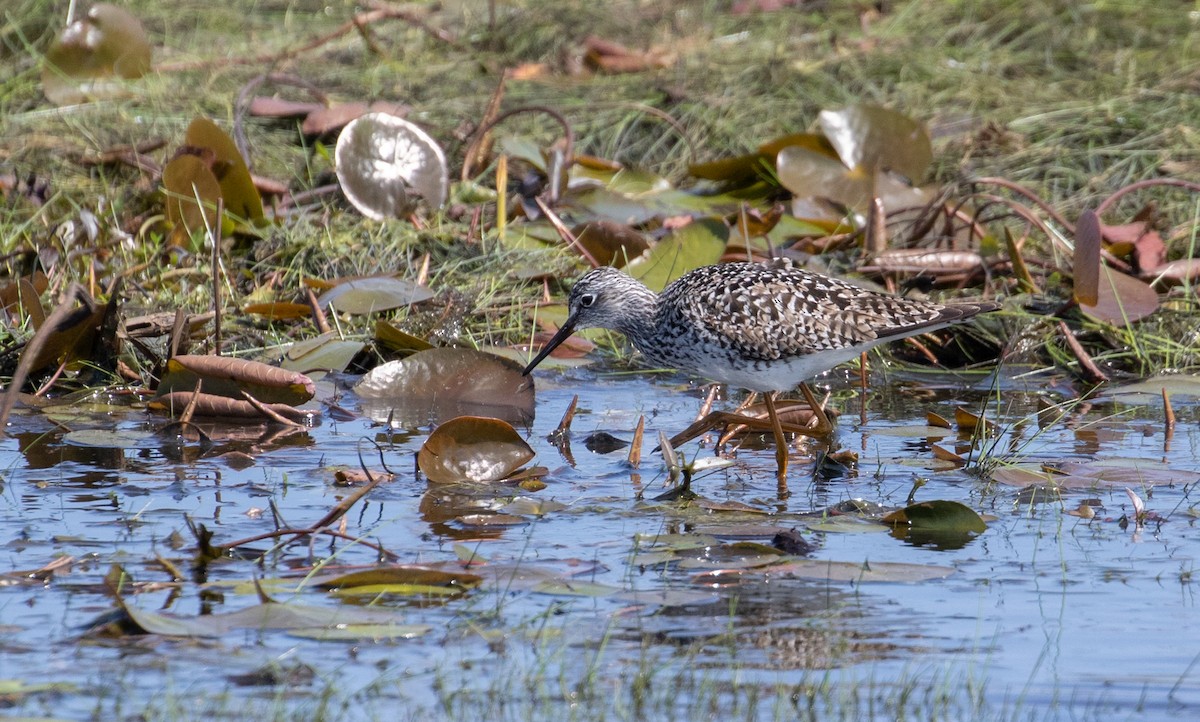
385,164
699,243
473,448
938,515
105,44
871,137
326,352
833,571
362,296
1150,391
1123,299
441,383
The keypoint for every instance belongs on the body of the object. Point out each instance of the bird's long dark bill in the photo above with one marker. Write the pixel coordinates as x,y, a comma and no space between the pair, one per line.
563,334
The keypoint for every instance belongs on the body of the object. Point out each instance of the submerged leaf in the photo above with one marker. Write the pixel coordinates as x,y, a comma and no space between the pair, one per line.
473,448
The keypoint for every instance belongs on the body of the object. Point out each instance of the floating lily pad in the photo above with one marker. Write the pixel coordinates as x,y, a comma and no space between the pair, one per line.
269,615
938,515
108,438
1150,391
441,383
473,448
326,352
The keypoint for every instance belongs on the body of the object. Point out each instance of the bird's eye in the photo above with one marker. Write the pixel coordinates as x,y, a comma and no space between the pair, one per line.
587,300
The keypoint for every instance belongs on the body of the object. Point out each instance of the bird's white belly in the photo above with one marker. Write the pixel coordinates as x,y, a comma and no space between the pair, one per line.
782,375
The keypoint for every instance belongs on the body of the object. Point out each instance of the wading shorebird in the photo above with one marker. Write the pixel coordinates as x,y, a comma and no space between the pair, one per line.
762,327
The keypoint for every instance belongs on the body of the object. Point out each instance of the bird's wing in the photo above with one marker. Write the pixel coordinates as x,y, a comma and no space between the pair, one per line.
777,314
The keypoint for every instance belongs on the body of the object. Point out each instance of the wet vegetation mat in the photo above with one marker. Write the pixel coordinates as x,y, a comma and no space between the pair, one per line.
271,274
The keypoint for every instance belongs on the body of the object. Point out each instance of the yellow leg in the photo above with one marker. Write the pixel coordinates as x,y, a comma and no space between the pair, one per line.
824,427
781,443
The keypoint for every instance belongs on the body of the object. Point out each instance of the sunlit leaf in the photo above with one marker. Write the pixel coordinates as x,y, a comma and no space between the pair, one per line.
396,341
382,161
361,296
238,192
871,137
473,448
108,42
327,352
1086,266
699,243
441,383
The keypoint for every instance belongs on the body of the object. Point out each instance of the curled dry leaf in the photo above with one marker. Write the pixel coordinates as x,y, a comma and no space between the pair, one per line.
923,261
108,42
381,158
472,448
229,377
222,406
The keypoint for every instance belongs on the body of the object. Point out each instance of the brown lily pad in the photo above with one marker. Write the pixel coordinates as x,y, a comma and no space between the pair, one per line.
441,383
473,448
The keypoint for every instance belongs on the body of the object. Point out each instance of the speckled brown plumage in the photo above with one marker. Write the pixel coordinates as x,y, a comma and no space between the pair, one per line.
760,327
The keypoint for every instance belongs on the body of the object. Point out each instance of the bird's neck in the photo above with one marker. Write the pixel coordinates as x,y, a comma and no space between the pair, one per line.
637,319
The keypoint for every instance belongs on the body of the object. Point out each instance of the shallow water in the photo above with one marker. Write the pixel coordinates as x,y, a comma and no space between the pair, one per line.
1045,615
